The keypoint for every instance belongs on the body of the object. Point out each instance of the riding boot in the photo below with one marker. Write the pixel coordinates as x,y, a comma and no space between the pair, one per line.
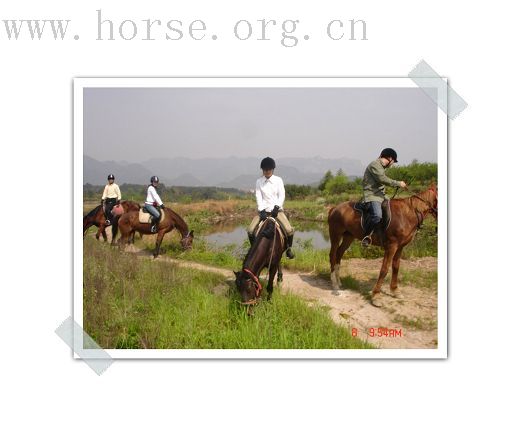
154,225
289,252
108,220
251,238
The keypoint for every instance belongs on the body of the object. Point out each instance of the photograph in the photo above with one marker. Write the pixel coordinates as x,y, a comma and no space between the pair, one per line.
260,217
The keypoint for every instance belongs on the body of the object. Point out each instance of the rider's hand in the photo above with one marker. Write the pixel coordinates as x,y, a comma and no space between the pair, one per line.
263,214
402,184
275,210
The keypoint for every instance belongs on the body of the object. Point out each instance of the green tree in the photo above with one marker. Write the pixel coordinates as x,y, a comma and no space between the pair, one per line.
337,185
325,179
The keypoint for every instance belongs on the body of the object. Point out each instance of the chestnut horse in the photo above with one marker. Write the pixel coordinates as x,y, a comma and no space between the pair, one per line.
266,252
407,217
129,223
97,217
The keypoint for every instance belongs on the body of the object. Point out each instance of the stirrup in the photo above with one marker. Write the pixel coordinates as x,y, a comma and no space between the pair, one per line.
107,222
153,229
367,240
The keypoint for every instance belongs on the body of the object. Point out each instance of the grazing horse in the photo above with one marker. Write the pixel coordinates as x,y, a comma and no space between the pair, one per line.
97,217
129,223
407,217
266,252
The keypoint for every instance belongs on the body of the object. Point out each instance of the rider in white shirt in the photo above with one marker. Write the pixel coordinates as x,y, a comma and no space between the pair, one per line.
270,196
111,197
153,201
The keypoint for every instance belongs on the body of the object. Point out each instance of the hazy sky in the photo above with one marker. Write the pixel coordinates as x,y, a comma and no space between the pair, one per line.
135,124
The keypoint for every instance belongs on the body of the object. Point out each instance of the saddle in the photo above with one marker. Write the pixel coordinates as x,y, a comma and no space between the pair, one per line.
278,227
146,217
362,208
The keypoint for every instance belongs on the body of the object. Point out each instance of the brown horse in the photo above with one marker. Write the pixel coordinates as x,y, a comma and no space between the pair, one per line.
97,217
407,216
129,223
266,252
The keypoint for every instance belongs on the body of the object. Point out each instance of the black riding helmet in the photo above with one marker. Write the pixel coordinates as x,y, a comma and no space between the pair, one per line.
268,163
389,153
154,179
111,177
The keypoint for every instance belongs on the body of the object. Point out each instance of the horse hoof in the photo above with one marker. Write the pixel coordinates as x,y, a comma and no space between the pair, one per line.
336,292
376,301
396,293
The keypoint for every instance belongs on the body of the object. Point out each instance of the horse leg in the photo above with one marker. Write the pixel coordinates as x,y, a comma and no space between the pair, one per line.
114,232
279,278
395,270
158,242
390,251
334,244
103,232
345,244
272,273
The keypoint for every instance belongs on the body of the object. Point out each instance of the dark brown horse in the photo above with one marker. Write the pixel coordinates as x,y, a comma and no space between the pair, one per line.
129,223
97,217
266,252
407,216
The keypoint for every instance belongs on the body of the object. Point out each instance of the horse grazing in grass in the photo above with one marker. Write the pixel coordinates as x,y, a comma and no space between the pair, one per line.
97,217
129,223
266,252
407,217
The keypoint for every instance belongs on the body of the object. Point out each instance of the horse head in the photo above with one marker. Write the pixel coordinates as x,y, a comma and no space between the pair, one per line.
187,241
433,189
248,286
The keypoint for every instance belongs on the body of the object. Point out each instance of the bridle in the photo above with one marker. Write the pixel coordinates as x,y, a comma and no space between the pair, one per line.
258,288
432,209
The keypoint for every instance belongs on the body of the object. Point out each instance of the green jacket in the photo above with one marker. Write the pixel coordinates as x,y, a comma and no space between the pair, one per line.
374,182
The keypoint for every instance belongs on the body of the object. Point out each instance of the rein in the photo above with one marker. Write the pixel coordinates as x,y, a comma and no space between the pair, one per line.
258,286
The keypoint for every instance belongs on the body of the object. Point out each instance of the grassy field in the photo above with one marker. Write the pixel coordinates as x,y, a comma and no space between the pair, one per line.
140,303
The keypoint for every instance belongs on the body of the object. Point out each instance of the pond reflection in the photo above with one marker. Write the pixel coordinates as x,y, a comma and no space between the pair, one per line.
308,236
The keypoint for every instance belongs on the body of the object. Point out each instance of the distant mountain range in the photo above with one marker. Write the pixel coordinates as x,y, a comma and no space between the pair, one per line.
231,172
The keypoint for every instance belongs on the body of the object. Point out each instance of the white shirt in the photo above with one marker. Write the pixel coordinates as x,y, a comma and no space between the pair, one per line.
111,191
152,196
269,192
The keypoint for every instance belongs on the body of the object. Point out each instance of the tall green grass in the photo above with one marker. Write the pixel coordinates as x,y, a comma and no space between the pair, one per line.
138,303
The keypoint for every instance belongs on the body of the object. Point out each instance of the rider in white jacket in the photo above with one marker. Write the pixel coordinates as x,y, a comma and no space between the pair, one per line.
153,201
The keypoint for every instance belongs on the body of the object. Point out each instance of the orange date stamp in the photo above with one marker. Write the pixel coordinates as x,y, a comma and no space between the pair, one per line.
380,332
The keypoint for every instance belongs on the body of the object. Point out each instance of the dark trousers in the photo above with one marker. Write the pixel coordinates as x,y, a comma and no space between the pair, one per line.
109,205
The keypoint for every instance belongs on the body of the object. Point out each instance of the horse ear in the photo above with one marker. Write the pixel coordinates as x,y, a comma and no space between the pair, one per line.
191,233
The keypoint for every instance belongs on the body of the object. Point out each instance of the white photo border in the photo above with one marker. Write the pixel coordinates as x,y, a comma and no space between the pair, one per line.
441,352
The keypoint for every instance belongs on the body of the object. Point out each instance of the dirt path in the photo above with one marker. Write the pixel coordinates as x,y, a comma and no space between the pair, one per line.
412,321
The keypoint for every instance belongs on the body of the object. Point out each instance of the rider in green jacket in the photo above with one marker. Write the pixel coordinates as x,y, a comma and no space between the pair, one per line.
374,181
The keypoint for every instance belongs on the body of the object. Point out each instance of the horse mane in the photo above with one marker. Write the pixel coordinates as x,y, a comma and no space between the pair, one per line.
182,225
131,203
93,212
425,194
